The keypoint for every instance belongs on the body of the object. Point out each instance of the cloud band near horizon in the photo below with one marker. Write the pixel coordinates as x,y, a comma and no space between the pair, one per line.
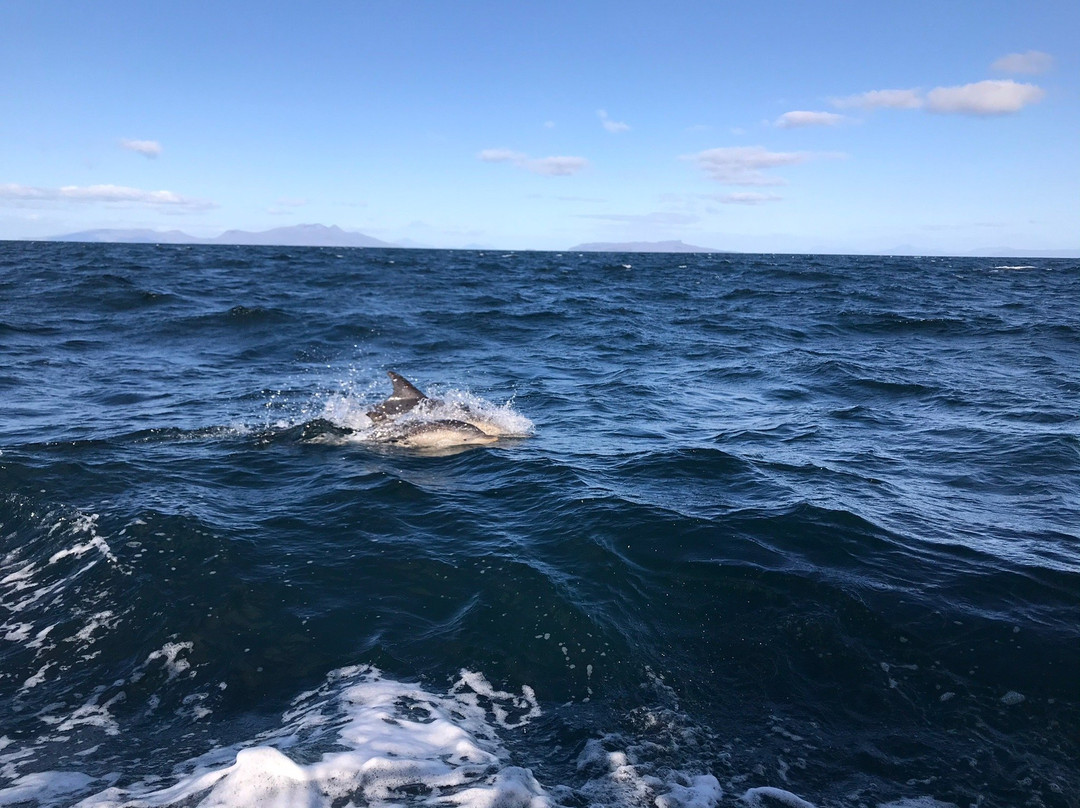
981,98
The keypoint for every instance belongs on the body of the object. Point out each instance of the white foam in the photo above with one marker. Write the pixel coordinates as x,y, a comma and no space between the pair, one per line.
22,574
703,792
510,711
347,412
38,677
33,592
360,738
39,638
85,523
17,632
625,773
169,655
90,713
43,788
767,795
103,620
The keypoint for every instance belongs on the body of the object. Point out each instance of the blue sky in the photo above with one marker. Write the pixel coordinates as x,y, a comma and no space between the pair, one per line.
830,126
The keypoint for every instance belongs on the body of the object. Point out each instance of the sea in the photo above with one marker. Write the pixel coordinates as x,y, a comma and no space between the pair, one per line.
762,530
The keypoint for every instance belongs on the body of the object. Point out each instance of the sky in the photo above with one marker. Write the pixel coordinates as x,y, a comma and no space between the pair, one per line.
849,127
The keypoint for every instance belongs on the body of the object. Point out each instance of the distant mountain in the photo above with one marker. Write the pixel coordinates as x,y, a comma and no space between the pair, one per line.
135,236
642,246
302,235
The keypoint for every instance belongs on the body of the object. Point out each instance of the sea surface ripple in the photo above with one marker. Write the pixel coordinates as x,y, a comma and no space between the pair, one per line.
784,530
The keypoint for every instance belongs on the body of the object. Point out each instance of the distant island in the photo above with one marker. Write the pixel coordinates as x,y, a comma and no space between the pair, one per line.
642,247
301,235
320,235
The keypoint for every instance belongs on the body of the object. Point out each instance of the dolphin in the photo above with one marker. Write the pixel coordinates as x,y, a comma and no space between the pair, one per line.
439,435
406,397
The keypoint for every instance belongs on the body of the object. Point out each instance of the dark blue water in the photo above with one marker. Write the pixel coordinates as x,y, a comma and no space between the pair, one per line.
787,530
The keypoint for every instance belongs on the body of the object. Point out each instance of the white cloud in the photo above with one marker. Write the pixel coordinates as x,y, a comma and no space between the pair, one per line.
549,124
1031,62
615,127
547,166
744,165
147,148
103,194
502,156
797,118
984,98
559,198
980,98
556,166
875,99
749,198
665,218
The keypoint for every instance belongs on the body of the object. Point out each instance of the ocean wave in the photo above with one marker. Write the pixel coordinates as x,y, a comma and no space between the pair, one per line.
362,737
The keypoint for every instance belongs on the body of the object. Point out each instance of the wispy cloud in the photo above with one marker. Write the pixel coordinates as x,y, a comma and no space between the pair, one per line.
547,166
696,203
285,205
746,198
147,148
984,98
615,127
1032,62
103,194
963,226
556,166
746,165
799,117
502,156
878,99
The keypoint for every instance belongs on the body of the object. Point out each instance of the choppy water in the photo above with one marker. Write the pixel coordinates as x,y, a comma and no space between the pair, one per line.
786,530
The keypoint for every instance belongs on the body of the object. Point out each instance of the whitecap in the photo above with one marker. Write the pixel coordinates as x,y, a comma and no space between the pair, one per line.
360,737
768,796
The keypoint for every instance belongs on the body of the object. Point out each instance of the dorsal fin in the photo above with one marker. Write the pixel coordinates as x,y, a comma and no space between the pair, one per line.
403,388
403,399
